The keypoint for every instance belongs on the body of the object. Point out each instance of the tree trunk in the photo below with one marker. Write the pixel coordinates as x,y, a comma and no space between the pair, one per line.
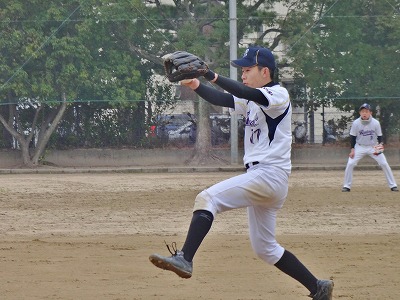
25,155
22,141
202,154
25,141
48,131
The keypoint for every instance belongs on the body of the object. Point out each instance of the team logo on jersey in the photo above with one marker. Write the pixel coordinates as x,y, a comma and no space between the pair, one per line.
251,123
269,91
366,132
255,133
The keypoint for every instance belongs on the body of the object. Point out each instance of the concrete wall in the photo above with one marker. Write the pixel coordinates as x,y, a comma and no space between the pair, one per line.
176,157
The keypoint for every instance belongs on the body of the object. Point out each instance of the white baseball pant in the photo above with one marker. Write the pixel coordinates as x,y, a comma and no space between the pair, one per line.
263,190
359,152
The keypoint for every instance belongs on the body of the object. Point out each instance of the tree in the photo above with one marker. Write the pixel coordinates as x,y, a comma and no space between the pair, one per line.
342,54
199,27
124,78
34,79
50,60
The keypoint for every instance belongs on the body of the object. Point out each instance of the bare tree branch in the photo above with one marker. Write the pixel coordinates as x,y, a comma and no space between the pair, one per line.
145,54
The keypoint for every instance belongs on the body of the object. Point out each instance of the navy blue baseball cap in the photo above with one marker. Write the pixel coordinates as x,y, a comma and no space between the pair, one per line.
256,56
366,106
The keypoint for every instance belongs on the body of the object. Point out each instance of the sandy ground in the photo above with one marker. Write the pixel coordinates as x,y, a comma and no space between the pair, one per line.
88,236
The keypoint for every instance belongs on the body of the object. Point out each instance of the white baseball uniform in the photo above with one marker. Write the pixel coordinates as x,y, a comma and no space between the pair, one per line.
366,133
263,189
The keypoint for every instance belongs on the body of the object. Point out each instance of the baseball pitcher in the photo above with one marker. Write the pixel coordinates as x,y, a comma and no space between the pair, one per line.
263,188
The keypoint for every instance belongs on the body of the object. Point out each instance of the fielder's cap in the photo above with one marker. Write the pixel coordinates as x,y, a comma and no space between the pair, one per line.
366,106
256,56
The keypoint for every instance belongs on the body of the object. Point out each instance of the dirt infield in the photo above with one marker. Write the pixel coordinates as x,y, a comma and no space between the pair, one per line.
88,236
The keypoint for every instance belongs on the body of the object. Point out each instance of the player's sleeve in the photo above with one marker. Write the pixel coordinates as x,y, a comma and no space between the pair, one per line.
378,130
353,139
278,100
240,106
353,129
241,91
215,96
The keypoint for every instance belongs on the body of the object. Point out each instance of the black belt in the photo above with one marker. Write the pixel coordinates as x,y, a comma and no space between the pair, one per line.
251,164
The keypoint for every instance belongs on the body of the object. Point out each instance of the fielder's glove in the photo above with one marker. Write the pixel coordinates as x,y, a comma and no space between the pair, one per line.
182,65
378,149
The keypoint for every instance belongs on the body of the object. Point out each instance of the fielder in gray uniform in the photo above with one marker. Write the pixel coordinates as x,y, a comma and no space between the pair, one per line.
366,139
263,188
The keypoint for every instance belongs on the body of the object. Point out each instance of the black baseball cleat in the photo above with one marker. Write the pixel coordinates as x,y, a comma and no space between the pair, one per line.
345,189
394,189
324,290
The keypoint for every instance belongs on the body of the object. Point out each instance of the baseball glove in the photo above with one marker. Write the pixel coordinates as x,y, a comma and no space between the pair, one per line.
182,65
378,149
